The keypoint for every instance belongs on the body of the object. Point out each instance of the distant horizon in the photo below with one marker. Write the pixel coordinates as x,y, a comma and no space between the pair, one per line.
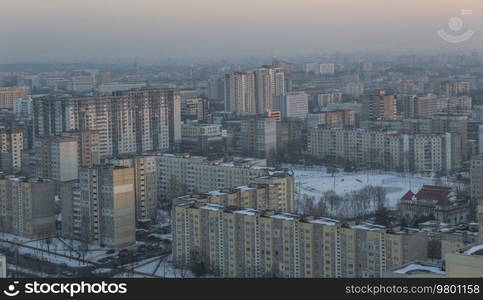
58,30
178,59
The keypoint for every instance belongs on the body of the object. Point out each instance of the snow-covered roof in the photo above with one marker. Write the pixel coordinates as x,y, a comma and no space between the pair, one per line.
324,221
284,216
246,188
248,212
419,268
369,227
216,193
474,249
213,207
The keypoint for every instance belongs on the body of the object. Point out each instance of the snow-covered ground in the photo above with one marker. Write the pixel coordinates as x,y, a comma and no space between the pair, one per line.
314,181
158,267
58,250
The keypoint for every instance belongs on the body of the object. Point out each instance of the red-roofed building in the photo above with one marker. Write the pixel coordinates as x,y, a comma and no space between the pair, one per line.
440,202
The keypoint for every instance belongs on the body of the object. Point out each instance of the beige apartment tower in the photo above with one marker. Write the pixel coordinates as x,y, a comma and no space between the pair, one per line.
100,209
11,146
9,94
244,242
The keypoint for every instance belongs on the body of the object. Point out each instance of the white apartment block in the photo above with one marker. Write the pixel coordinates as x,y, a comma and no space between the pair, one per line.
388,149
181,175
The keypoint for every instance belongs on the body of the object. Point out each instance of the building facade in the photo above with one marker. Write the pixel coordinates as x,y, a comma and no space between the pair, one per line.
387,149
258,136
145,184
240,93
130,122
11,146
294,105
379,106
27,207
244,242
181,175
100,208
9,94
439,202
201,139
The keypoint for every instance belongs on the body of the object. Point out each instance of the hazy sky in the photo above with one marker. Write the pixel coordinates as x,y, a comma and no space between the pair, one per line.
39,30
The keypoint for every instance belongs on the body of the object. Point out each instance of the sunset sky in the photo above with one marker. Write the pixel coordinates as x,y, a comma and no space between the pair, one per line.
37,30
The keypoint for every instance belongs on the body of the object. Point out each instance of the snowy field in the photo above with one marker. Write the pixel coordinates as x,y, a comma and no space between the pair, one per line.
314,181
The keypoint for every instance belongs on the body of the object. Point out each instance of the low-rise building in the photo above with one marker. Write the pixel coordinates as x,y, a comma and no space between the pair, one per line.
439,202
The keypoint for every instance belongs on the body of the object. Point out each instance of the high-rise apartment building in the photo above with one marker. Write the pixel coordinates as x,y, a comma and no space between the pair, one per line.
57,158
269,84
27,207
415,107
456,124
244,242
101,207
196,109
240,93
145,184
264,90
23,108
326,68
11,146
388,149
258,136
294,105
253,92
136,121
216,88
379,106
88,147
9,94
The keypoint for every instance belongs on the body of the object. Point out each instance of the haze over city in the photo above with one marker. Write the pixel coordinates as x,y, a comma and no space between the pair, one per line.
59,30
323,139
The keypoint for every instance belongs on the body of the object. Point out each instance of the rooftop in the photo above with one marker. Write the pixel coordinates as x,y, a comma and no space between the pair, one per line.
419,268
475,250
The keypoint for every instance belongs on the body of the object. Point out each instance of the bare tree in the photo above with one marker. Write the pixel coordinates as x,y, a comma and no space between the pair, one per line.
332,171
